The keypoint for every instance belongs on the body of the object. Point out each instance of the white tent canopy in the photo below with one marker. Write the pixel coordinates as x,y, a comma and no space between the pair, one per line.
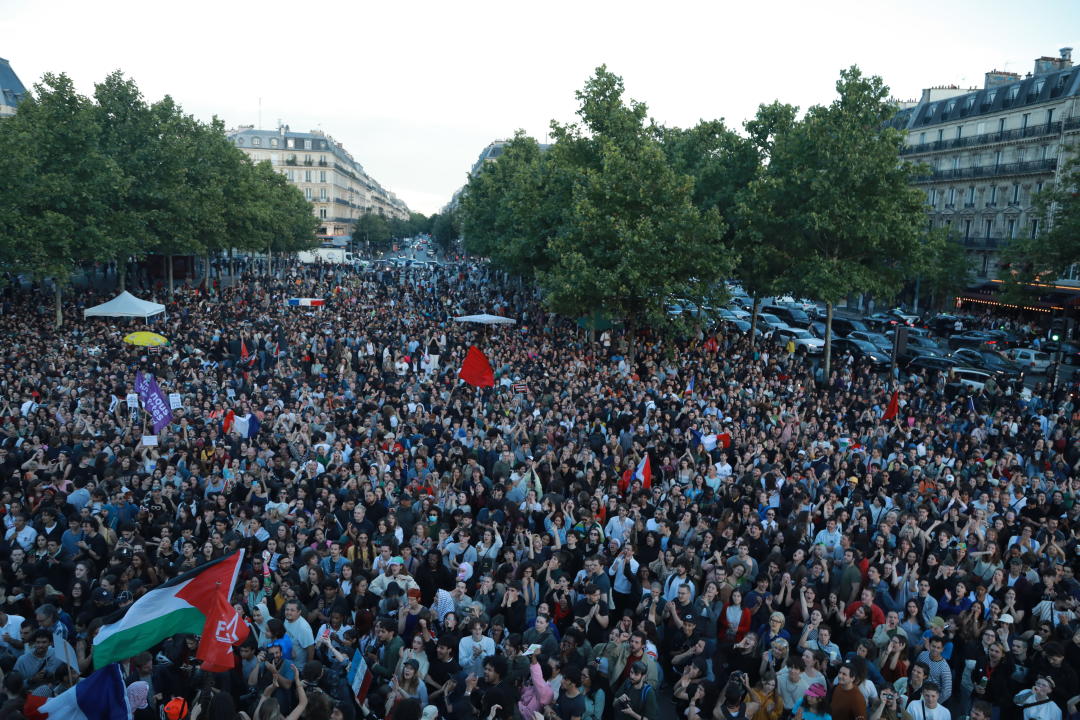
486,319
125,305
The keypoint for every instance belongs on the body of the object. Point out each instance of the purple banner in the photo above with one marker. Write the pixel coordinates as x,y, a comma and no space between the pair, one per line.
154,400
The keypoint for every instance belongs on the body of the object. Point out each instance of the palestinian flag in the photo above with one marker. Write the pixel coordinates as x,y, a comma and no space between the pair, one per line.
179,606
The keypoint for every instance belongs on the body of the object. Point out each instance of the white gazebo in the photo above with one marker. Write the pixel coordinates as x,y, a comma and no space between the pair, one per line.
125,305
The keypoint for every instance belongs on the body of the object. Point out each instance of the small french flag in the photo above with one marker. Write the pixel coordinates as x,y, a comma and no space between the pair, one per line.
644,472
305,302
689,386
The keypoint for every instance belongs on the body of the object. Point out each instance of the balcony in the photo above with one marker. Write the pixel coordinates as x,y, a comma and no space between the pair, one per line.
950,206
1032,131
969,205
1072,124
309,162
988,242
991,204
1030,167
290,161
323,163
1014,203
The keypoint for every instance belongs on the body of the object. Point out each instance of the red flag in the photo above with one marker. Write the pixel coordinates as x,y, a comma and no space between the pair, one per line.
644,472
227,423
724,439
245,356
223,629
894,406
476,370
624,481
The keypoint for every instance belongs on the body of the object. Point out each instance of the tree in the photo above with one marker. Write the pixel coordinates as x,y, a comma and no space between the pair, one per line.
56,184
764,264
372,228
445,230
511,208
629,236
837,190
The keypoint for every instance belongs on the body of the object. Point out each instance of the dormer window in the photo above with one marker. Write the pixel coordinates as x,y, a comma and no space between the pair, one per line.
256,141
1014,90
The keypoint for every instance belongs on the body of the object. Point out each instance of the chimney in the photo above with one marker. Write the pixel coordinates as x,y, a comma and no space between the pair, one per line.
1066,55
1047,64
995,78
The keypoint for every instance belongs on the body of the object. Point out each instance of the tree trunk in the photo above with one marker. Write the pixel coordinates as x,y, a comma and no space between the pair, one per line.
915,303
827,359
59,303
753,320
206,268
170,277
121,275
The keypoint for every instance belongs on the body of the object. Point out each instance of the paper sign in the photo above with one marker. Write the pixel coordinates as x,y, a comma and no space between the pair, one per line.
149,440
175,401
132,400
230,392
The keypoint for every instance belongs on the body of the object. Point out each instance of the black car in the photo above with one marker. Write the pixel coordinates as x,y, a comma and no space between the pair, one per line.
843,325
862,350
944,324
793,316
920,347
1002,368
882,321
933,363
1070,352
973,339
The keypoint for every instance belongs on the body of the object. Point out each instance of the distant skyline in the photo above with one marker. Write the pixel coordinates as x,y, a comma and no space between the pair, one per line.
416,90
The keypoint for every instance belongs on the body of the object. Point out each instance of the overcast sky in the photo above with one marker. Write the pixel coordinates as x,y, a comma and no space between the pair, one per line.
415,90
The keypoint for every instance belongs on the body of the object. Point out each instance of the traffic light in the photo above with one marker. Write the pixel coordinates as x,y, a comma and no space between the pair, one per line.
1057,328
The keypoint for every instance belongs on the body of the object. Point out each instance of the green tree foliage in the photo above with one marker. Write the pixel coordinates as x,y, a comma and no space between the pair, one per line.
942,267
837,192
445,229
56,184
373,228
512,207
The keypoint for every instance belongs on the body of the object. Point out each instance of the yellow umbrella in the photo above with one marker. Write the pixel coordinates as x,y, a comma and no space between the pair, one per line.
146,339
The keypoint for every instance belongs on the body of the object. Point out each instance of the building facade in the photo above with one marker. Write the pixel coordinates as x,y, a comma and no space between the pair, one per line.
337,186
989,150
11,89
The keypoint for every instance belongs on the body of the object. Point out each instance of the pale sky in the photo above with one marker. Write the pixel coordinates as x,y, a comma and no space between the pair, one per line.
415,90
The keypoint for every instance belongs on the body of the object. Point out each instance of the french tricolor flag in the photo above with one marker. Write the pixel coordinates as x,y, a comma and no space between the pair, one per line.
644,472
305,302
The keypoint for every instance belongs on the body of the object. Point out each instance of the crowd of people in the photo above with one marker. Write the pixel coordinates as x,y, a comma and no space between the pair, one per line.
621,528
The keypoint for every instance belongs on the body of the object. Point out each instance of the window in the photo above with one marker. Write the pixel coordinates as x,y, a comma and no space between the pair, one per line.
922,138
322,213
1024,119
308,160
291,175
1014,90
1034,229
307,193
956,163
988,228
969,102
1001,124
1050,116
940,134
307,176
322,194
239,141
290,143
1038,187
1020,154
967,229
322,176
997,157
980,128
990,95
273,142
985,265
1038,85
931,197
1016,192
1044,152
971,195
949,106
959,131
1012,228
993,194
307,144
952,196
930,111
256,141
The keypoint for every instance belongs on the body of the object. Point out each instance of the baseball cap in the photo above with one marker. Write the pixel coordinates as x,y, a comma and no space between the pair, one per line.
817,690
937,621
175,709
1007,619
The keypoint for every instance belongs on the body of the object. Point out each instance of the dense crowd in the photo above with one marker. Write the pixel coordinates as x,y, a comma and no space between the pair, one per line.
505,552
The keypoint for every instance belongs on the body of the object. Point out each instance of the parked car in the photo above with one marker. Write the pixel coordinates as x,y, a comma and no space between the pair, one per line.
908,319
802,338
878,340
1034,361
772,321
1070,352
918,346
842,326
944,323
972,339
862,350
933,363
882,321
743,326
971,378
1000,367
793,316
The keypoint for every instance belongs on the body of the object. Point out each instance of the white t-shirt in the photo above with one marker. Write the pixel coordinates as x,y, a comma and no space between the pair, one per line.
11,629
918,711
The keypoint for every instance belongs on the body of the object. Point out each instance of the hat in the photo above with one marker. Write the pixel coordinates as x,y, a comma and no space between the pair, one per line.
937,621
137,693
430,713
175,709
817,690
396,560
950,477
102,595
1006,618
